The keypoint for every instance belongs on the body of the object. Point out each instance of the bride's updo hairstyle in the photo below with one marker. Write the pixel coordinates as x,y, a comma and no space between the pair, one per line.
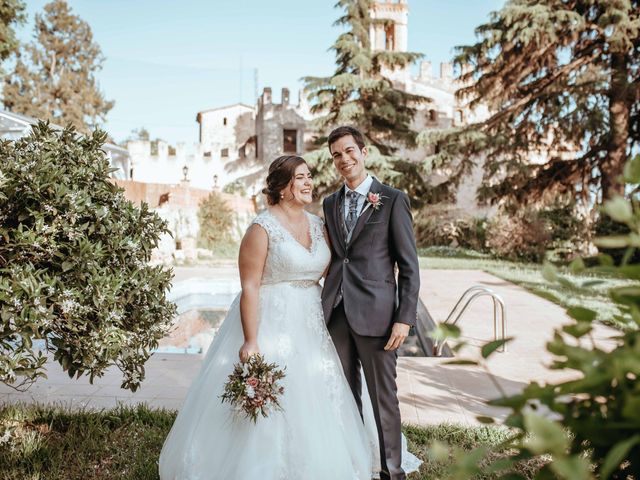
281,171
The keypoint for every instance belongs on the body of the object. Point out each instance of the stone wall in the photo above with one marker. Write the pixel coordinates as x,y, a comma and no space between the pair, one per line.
178,206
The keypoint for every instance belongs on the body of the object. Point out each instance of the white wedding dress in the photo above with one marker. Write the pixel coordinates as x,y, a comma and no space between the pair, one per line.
319,434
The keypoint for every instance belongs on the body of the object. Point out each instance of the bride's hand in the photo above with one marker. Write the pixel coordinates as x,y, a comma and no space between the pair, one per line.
248,349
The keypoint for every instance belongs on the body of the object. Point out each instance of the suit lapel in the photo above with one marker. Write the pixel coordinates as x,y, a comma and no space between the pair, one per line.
367,211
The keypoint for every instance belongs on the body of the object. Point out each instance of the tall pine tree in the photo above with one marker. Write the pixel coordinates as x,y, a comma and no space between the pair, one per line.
561,81
11,13
359,94
54,78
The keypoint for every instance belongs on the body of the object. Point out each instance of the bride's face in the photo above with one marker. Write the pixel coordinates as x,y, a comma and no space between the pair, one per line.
300,189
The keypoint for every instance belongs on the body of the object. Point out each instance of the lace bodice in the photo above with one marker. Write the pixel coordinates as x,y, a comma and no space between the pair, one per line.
287,259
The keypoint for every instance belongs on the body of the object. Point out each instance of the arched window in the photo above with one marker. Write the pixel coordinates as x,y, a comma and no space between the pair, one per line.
433,115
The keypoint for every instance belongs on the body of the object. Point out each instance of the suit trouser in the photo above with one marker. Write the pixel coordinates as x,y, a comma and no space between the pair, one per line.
379,368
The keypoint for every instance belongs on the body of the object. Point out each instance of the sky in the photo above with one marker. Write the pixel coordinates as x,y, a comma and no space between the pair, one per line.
167,60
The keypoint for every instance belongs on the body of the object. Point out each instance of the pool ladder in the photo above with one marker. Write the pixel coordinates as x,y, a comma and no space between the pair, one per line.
468,297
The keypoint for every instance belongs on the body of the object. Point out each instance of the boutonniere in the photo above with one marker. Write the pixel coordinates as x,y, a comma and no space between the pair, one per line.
375,199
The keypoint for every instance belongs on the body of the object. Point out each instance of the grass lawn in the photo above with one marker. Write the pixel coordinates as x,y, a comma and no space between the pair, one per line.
529,276
53,443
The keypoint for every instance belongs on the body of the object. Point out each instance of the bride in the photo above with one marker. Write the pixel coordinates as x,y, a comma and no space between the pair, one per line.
320,433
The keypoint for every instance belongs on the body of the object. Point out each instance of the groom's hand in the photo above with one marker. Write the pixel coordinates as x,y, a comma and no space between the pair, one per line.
399,333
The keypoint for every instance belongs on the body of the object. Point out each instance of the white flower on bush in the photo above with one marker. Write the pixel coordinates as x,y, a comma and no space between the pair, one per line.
6,436
68,305
40,308
130,244
114,317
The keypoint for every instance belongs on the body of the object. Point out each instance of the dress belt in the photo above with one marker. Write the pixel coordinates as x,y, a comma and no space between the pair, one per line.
294,283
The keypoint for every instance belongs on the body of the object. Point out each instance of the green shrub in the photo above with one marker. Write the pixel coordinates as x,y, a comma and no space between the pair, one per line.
432,230
519,236
216,222
570,232
235,187
73,263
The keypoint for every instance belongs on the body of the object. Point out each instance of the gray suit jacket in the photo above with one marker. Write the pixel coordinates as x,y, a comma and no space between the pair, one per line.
381,240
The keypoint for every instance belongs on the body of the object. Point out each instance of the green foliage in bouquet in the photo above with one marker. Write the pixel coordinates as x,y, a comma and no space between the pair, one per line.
588,427
73,263
253,388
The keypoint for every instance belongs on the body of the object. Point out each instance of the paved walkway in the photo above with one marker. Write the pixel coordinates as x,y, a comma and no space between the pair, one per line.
429,391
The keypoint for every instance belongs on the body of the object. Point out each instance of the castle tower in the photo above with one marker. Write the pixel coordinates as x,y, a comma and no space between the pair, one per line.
392,34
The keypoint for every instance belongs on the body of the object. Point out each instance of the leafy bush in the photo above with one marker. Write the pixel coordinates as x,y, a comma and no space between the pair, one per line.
589,426
433,230
570,231
216,221
526,234
520,236
235,187
607,227
73,263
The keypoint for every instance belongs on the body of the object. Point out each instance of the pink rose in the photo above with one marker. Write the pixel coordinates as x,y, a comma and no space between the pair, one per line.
374,199
253,382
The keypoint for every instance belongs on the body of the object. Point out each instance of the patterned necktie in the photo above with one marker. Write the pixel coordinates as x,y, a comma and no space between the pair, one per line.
352,216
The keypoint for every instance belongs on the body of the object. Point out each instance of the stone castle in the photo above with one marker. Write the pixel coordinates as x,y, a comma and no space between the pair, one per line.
237,141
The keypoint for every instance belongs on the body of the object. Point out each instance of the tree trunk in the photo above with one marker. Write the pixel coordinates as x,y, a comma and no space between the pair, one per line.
619,111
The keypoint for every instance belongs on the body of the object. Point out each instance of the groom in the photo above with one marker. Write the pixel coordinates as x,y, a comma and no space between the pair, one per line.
368,315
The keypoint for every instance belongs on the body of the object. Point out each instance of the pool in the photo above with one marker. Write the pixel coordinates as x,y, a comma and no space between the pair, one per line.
202,304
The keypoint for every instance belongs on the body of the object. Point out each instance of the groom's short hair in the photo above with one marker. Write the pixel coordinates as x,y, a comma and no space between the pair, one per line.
343,131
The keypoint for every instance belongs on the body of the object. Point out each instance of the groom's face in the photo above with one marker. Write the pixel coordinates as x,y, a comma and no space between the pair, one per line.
348,158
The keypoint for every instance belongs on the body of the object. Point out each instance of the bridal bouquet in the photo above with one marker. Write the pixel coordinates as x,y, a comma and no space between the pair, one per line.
253,388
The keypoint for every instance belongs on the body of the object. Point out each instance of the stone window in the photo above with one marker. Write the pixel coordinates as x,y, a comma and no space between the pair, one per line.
433,116
224,121
207,154
459,116
224,153
290,141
